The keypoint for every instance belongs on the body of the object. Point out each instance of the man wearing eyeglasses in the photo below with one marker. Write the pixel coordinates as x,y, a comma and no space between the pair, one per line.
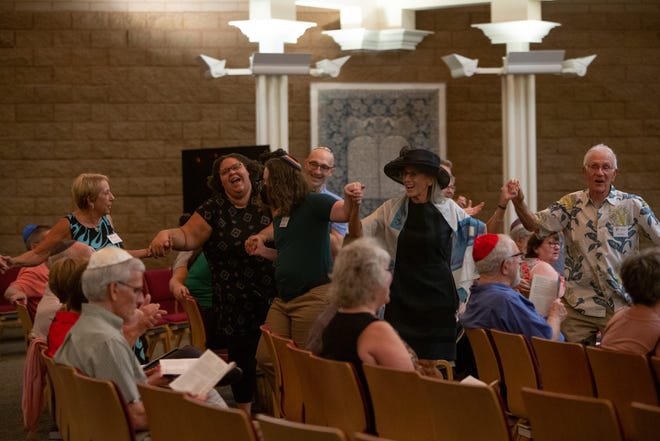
494,304
319,166
601,226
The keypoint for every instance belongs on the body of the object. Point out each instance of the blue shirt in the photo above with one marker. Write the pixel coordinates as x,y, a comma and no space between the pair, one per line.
497,306
339,227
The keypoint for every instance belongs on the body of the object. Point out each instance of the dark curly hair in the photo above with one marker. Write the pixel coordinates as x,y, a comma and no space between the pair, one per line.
640,274
254,168
287,187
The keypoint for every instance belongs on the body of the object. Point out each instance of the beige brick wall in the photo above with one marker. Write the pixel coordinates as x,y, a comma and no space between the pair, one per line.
116,88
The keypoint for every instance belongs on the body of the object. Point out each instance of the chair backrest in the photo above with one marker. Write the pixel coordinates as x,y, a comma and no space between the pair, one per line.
197,328
360,436
206,422
158,285
464,411
291,391
564,367
396,399
557,416
165,423
105,411
622,378
61,412
277,429
655,366
485,355
518,367
267,339
26,320
332,393
647,421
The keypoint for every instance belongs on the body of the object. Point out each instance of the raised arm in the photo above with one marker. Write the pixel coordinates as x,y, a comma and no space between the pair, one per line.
494,224
341,210
515,194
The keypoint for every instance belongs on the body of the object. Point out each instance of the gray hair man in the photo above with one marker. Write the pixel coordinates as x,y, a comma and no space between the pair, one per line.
319,166
95,345
601,226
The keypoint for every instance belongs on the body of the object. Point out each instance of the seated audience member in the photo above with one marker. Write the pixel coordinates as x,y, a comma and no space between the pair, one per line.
112,283
64,282
520,235
541,254
495,305
50,304
637,328
360,285
30,284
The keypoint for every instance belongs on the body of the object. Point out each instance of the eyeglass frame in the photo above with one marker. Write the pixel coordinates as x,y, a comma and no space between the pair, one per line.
235,167
314,165
137,290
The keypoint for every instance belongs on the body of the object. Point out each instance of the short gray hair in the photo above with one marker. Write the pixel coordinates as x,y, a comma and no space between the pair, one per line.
491,264
359,270
95,281
603,148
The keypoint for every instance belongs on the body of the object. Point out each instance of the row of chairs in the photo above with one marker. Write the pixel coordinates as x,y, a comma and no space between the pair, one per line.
568,369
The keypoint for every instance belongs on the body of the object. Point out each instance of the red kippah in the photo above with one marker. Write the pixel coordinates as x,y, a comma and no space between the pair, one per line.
483,245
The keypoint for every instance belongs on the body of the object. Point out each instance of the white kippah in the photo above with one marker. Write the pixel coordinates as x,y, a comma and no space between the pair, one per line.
107,257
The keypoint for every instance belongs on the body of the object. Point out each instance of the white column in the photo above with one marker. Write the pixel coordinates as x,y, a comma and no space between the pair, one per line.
272,111
519,136
261,108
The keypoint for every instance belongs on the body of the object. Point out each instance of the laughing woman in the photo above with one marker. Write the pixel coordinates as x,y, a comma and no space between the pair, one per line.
430,237
243,285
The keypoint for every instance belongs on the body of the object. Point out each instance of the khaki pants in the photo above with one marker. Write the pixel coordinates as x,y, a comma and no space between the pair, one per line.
292,319
580,328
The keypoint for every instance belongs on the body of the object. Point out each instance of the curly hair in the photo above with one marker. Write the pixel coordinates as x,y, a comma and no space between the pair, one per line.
287,187
254,168
640,274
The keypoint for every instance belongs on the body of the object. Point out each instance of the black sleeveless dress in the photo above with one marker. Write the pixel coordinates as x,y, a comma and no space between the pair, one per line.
423,298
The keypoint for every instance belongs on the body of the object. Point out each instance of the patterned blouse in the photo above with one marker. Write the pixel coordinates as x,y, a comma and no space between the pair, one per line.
596,242
100,237
243,285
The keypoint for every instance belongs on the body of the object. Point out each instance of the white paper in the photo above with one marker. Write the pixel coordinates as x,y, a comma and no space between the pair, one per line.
543,292
202,375
175,366
473,381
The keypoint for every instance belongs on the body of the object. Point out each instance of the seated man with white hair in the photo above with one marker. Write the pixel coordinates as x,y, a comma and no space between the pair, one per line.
494,304
112,282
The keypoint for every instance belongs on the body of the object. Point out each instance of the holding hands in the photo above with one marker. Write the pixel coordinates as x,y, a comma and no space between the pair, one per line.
161,244
354,192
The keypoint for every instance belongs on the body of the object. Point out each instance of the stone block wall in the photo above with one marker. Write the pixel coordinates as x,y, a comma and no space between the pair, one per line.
117,88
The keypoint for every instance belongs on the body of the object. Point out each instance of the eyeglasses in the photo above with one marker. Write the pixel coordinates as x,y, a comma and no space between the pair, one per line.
314,165
595,167
137,290
235,167
553,244
521,255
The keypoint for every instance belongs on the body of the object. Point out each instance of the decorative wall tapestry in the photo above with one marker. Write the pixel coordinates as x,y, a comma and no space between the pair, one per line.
366,125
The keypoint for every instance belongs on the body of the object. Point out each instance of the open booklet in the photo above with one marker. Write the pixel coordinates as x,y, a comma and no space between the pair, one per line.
543,292
196,375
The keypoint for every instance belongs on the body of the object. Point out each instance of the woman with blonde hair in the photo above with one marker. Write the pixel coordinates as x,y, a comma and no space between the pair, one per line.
90,223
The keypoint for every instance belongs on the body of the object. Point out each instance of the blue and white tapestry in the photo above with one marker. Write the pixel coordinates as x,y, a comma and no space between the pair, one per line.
366,125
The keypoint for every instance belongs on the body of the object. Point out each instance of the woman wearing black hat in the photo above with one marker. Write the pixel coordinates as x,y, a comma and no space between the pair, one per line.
431,237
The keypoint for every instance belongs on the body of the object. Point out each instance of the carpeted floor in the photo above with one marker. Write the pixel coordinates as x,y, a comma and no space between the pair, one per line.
12,359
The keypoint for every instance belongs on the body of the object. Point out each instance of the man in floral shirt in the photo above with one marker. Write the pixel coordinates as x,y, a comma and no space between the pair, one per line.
601,226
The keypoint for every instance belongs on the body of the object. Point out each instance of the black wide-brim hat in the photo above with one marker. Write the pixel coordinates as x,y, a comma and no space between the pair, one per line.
425,160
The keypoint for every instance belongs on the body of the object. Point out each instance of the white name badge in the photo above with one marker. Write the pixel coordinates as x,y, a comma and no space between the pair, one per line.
114,238
620,231
284,222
